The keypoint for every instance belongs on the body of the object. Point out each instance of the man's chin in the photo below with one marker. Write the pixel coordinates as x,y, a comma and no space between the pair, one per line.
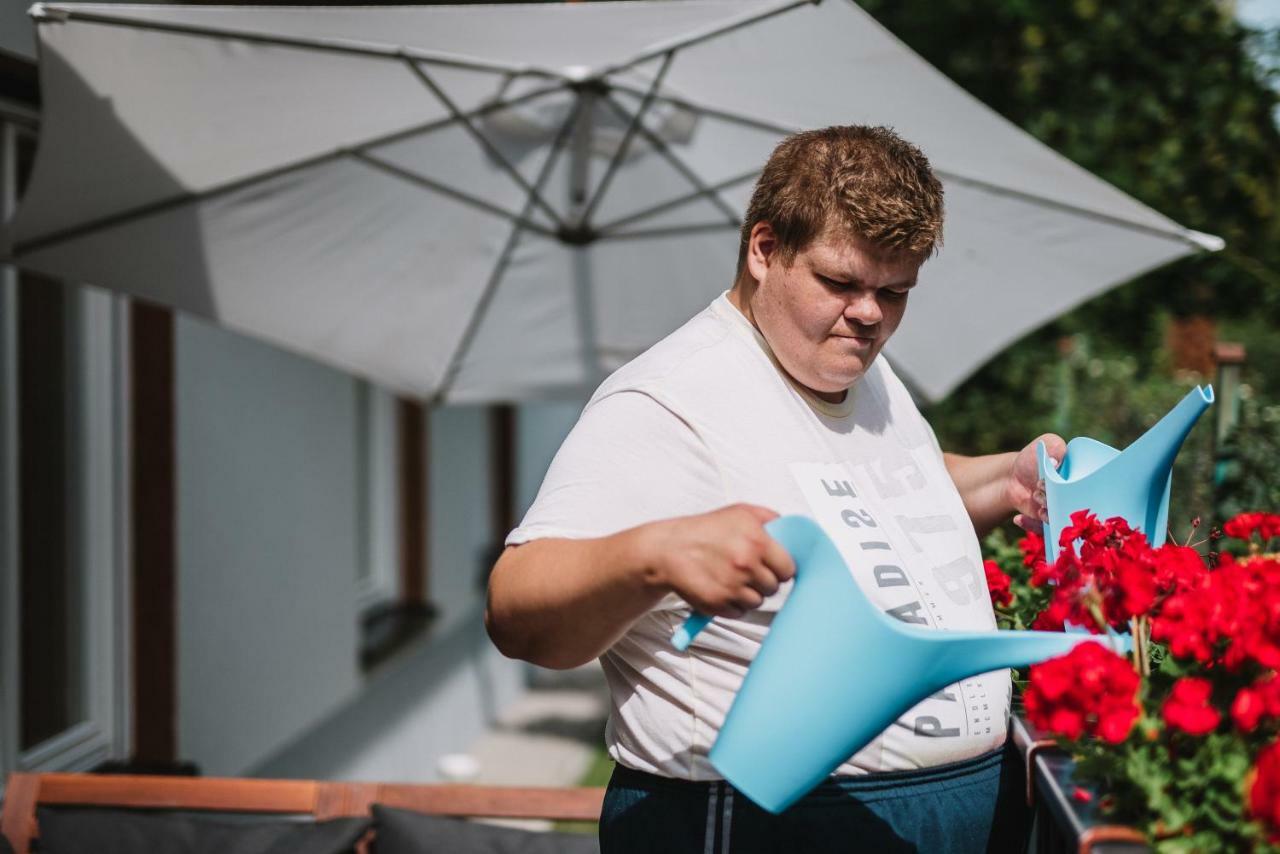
844,379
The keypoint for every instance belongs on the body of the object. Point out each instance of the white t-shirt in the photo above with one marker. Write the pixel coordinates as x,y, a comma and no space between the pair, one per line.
706,418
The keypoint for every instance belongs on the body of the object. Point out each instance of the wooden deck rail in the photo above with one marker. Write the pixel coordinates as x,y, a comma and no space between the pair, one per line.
321,799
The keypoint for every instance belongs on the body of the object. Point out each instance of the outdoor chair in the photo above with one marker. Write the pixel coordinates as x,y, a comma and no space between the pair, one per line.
324,816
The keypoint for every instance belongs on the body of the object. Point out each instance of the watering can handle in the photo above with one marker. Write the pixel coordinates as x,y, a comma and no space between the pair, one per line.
683,636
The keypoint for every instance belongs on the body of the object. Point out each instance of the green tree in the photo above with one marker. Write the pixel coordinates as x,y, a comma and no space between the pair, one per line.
1164,100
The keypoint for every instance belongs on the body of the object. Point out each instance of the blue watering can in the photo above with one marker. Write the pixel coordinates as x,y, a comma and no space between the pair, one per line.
1133,484
804,707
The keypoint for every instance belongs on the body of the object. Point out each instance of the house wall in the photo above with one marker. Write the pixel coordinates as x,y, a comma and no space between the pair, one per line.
269,538
267,545
441,695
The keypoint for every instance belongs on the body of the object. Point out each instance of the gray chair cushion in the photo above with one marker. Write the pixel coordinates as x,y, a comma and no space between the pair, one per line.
407,832
115,831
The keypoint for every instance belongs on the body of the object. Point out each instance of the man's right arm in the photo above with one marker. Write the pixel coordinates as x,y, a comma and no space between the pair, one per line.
561,602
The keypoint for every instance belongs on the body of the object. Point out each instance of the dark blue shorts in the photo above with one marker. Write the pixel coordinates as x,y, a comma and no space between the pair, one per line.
968,807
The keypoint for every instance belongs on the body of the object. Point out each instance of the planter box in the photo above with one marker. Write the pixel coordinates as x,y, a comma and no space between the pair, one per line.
1061,823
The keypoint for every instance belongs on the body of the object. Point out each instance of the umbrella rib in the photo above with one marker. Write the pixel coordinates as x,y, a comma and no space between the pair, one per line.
454,367
707,35
239,183
772,127
1178,233
43,12
627,137
446,190
670,231
607,229
679,165
534,195
713,112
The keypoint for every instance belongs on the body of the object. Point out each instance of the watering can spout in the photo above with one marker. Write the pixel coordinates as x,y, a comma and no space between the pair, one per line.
1133,484
966,653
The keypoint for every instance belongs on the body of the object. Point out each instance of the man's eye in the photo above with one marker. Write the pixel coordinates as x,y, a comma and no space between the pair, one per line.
895,295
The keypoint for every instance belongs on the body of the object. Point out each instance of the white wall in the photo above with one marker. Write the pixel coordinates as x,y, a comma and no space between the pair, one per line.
267,542
269,536
460,535
440,695
438,698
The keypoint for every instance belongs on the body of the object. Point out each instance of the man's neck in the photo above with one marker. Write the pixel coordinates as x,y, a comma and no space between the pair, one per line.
740,297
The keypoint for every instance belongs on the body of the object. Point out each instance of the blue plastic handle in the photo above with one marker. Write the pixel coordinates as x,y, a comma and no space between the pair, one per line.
684,635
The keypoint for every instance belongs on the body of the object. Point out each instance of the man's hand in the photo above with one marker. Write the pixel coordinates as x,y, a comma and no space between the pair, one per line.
723,563
1025,489
562,602
995,485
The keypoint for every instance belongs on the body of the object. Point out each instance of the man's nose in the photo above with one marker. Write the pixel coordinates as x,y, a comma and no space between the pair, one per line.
863,308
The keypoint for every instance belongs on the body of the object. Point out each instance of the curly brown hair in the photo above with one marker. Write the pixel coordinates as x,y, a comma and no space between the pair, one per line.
856,180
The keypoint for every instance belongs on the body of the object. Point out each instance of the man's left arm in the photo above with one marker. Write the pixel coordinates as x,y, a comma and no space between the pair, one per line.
995,485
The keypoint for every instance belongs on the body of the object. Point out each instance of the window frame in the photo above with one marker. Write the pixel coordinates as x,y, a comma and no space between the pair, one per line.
378,581
97,322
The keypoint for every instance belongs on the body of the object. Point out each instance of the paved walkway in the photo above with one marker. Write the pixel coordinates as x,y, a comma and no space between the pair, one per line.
549,737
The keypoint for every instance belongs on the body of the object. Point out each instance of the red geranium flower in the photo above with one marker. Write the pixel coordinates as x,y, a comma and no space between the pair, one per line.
1264,794
1112,571
1245,525
1260,700
1032,546
1090,690
1178,568
1188,707
1230,616
997,584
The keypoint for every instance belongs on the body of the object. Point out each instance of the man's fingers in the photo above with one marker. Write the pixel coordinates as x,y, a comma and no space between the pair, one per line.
779,561
764,581
1054,444
1026,523
764,514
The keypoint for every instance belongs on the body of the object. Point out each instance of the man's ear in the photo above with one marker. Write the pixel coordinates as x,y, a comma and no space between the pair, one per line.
761,250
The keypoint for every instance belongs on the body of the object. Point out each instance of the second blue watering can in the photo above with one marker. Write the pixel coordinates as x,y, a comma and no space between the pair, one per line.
1133,484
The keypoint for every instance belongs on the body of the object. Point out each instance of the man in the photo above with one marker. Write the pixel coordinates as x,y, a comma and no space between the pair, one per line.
774,400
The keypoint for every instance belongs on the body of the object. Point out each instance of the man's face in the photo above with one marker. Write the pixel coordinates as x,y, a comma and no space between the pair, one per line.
828,314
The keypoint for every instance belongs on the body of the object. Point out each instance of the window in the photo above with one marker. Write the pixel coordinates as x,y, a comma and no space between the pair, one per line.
62,555
377,570
391,571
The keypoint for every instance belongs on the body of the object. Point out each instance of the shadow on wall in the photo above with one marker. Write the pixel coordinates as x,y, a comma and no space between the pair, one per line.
438,699
588,732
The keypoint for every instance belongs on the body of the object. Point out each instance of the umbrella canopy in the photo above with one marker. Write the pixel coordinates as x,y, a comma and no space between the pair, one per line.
480,203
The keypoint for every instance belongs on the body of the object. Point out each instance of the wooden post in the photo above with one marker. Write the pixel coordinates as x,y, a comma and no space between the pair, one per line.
155,553
412,467
502,471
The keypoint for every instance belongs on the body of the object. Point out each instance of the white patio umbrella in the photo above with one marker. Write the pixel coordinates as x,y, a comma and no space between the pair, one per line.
480,203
